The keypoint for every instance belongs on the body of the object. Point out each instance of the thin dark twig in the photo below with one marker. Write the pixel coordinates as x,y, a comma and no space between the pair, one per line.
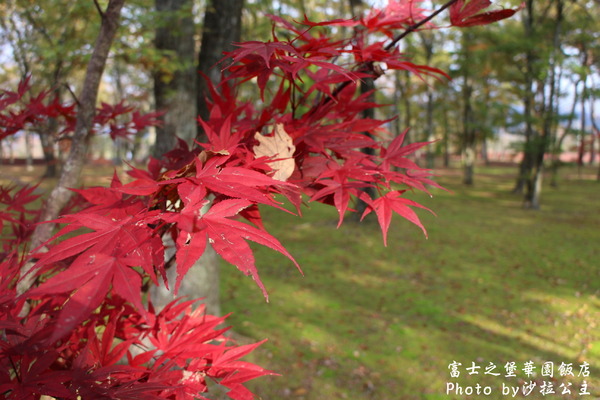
99,8
15,369
416,26
73,94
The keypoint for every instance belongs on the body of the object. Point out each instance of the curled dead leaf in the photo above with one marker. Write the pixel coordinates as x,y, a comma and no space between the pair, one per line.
207,154
280,148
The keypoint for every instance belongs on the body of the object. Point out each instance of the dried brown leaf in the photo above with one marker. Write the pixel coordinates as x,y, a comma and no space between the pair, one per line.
280,148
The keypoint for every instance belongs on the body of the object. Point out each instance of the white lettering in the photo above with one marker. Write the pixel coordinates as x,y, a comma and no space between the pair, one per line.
512,390
456,389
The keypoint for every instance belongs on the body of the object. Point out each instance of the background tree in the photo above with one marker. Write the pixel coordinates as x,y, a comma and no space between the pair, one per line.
468,148
222,27
183,97
175,79
71,171
48,50
547,86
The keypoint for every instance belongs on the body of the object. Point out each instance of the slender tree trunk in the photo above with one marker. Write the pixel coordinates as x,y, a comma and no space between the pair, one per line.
406,95
48,137
397,123
71,171
527,162
428,40
446,139
592,149
11,149
28,148
581,151
468,139
48,150
595,128
485,112
430,154
558,145
533,195
484,150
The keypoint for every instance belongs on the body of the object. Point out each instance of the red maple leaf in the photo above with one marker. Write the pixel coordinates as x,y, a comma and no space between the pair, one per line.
395,154
33,377
393,201
226,139
90,277
466,13
236,182
228,237
262,49
337,184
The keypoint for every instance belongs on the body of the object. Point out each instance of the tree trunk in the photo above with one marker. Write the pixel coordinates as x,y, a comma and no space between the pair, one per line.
428,39
527,162
595,128
592,149
406,94
534,188
222,26
468,139
28,148
48,150
446,138
175,91
71,171
487,124
558,145
581,151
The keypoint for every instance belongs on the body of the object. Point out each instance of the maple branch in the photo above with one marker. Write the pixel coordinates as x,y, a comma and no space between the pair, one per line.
368,66
419,24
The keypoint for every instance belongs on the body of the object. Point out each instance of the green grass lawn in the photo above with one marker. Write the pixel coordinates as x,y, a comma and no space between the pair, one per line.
493,283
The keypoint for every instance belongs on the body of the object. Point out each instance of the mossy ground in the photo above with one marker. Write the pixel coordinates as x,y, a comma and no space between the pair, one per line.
493,283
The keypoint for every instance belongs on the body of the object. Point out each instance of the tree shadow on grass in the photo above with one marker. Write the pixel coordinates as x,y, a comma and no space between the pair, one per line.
492,284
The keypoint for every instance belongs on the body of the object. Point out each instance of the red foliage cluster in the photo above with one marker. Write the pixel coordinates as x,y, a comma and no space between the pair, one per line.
86,329
20,110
